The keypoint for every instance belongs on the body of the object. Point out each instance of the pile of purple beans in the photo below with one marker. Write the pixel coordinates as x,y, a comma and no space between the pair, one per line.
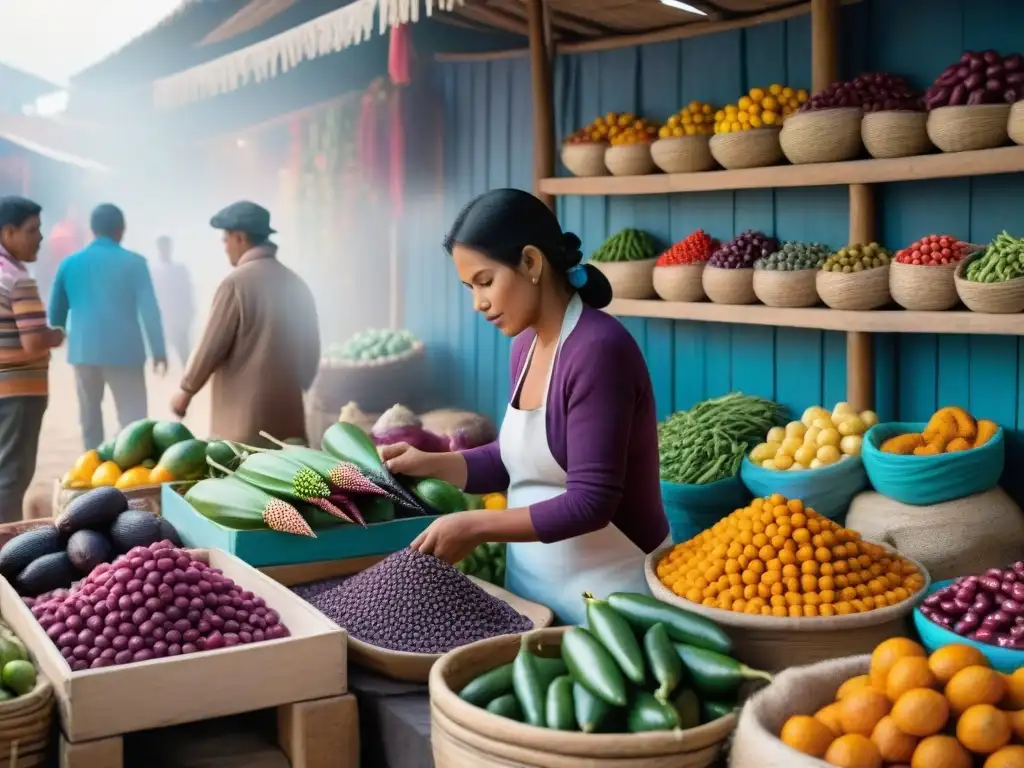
978,78
150,603
988,608
743,250
872,92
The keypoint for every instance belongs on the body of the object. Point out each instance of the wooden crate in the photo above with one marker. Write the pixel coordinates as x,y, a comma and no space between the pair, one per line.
109,702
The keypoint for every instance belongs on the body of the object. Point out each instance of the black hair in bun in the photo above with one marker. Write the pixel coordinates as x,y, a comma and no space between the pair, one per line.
502,222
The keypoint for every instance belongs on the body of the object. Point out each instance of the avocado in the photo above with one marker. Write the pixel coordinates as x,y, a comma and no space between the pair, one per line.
168,433
87,549
135,528
45,574
95,509
26,547
169,532
440,496
106,449
134,444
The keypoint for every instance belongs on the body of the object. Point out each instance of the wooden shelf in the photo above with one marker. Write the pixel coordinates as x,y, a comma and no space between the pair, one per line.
821,318
985,162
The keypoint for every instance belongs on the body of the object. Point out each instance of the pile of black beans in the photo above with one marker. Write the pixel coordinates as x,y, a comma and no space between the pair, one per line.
792,257
743,250
414,603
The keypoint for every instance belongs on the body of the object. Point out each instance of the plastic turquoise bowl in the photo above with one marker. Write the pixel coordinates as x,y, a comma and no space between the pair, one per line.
933,637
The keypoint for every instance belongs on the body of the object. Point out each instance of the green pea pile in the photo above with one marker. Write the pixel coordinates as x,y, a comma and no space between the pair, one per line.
857,258
793,256
627,245
1002,260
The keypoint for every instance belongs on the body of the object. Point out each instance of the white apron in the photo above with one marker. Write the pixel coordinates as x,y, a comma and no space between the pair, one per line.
556,575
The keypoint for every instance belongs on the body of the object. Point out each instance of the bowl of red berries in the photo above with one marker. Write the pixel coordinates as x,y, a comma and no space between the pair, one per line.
921,275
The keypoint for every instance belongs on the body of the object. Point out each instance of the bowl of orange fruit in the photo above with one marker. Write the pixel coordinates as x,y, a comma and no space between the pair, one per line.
747,132
629,153
904,707
683,144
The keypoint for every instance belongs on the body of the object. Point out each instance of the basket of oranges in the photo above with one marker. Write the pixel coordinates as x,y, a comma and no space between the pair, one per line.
583,151
683,142
747,132
779,576
630,151
897,706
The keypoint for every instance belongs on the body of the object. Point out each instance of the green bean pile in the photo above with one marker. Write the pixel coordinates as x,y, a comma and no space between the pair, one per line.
708,442
1002,260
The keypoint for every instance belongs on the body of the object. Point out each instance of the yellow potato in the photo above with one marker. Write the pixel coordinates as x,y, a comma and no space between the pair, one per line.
790,446
798,465
805,453
870,418
823,422
852,425
816,464
828,437
763,451
828,454
795,429
783,461
812,413
768,464
776,435
811,436
842,408
851,445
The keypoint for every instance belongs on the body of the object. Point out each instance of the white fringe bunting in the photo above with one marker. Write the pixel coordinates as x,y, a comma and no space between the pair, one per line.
327,34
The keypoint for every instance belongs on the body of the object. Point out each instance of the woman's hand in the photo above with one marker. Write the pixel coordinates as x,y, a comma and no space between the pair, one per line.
403,459
452,537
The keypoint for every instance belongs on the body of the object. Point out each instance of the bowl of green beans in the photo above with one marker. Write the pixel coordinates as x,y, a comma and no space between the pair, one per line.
992,280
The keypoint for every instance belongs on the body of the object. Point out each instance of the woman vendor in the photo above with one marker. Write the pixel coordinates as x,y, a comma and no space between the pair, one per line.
578,446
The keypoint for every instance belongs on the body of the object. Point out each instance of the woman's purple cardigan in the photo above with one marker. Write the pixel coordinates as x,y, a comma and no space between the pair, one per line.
601,429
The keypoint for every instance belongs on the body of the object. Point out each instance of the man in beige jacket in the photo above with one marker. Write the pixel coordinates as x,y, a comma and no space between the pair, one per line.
261,344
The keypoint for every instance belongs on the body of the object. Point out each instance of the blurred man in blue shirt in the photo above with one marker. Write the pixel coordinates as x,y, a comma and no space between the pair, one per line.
108,293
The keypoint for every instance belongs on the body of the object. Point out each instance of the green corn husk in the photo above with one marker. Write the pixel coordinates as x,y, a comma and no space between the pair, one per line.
284,478
240,506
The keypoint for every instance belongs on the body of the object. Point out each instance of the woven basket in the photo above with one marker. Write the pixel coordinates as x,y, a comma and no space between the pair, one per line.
465,736
25,725
823,136
729,286
683,154
1005,298
854,290
1015,125
629,279
375,384
755,148
681,282
629,159
895,133
962,129
923,288
774,643
786,289
585,159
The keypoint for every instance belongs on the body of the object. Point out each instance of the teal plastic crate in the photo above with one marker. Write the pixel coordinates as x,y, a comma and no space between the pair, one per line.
266,548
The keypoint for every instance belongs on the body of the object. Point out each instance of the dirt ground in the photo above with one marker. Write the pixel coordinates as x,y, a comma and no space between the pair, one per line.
61,440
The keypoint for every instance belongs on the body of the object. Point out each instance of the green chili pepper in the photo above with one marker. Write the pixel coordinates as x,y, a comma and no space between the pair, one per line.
617,636
593,714
488,686
648,714
560,714
507,706
715,675
714,710
528,685
590,664
643,612
687,704
664,661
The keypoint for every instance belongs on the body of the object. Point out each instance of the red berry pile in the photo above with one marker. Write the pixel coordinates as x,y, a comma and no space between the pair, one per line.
693,249
933,251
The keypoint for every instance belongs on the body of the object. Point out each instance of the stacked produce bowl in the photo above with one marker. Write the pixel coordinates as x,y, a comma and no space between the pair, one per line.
627,259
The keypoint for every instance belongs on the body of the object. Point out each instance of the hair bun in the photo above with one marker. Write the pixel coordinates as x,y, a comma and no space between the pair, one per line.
571,250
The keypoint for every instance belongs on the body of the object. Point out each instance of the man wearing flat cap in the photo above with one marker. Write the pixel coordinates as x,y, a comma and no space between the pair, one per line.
261,345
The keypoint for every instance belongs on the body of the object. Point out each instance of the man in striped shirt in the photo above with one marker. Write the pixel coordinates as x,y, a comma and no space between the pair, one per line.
25,344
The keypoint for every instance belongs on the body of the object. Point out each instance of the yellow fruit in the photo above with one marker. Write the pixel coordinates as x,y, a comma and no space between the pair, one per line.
950,659
886,654
776,435
812,413
795,429
853,751
1014,698
921,712
764,451
861,710
1007,757
805,454
893,744
851,425
870,418
851,445
495,501
852,685
983,729
828,435
86,465
940,752
106,473
132,478
830,717
811,436
807,735
790,446
974,685
783,461
906,674
828,454
159,475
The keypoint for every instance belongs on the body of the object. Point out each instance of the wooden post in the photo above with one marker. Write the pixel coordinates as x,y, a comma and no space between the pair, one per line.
860,369
543,106
824,51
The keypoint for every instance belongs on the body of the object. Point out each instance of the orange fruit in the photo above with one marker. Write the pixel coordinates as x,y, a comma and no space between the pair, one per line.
1014,698
975,685
853,751
1007,757
830,717
950,659
888,653
1017,723
921,712
940,752
908,673
853,684
861,710
893,744
984,729
806,734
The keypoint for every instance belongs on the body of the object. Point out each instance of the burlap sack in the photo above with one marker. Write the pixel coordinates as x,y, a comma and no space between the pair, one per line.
797,691
954,538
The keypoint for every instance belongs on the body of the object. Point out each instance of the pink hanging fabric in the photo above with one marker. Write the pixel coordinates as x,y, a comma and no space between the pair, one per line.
399,55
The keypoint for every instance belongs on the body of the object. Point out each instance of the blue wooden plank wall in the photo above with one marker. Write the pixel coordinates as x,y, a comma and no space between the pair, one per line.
487,144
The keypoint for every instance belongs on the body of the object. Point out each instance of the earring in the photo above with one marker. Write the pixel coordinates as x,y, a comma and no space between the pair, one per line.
536,280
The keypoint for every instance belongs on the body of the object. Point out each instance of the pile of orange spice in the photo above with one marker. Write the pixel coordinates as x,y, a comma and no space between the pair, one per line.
777,558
